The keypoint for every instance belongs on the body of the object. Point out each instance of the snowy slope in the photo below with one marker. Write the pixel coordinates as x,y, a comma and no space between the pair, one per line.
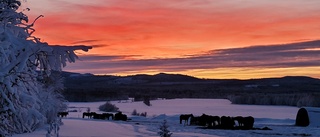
279,118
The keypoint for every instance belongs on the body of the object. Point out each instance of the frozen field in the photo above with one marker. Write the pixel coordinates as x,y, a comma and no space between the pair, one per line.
280,119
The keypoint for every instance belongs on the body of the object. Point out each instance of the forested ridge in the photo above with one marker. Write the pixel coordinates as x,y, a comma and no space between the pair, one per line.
289,90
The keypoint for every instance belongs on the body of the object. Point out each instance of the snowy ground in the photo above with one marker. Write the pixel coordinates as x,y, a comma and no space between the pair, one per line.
280,119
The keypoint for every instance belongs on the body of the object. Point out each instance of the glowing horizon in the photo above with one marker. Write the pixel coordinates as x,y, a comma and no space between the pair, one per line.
186,37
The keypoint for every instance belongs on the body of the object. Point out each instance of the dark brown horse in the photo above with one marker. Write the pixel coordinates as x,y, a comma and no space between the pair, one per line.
214,121
195,120
88,114
98,116
185,118
63,114
248,122
209,121
240,120
227,122
120,116
108,115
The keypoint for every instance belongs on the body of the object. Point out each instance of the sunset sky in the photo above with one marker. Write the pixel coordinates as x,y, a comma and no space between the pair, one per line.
203,38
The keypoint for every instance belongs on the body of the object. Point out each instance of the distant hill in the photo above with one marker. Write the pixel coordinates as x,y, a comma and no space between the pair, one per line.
163,77
99,81
293,89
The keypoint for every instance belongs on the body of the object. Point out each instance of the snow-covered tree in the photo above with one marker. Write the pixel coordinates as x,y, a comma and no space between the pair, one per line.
164,131
29,94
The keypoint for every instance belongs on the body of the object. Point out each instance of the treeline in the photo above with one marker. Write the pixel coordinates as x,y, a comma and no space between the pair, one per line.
310,99
297,99
292,91
139,93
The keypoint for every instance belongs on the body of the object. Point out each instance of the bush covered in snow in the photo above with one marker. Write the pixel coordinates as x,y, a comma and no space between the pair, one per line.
108,107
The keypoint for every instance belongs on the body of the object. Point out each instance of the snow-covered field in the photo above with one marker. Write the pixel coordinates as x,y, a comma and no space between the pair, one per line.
280,119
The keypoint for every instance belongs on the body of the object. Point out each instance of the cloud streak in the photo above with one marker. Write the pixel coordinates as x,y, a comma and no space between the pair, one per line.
303,54
85,41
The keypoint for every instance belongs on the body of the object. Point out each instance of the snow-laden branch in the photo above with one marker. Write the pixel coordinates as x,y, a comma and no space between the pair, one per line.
28,98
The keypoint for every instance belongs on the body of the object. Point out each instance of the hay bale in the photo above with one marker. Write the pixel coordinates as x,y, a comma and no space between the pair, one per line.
308,116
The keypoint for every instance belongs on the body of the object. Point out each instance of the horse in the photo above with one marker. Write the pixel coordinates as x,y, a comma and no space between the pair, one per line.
203,120
214,120
240,120
195,120
88,114
185,117
63,114
98,116
227,122
209,121
120,116
108,115
248,122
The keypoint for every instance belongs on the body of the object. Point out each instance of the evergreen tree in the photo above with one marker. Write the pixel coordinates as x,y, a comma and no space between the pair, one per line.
29,94
164,131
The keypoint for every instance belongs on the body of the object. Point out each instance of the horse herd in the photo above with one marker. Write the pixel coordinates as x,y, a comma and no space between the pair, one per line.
216,122
103,116
208,121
